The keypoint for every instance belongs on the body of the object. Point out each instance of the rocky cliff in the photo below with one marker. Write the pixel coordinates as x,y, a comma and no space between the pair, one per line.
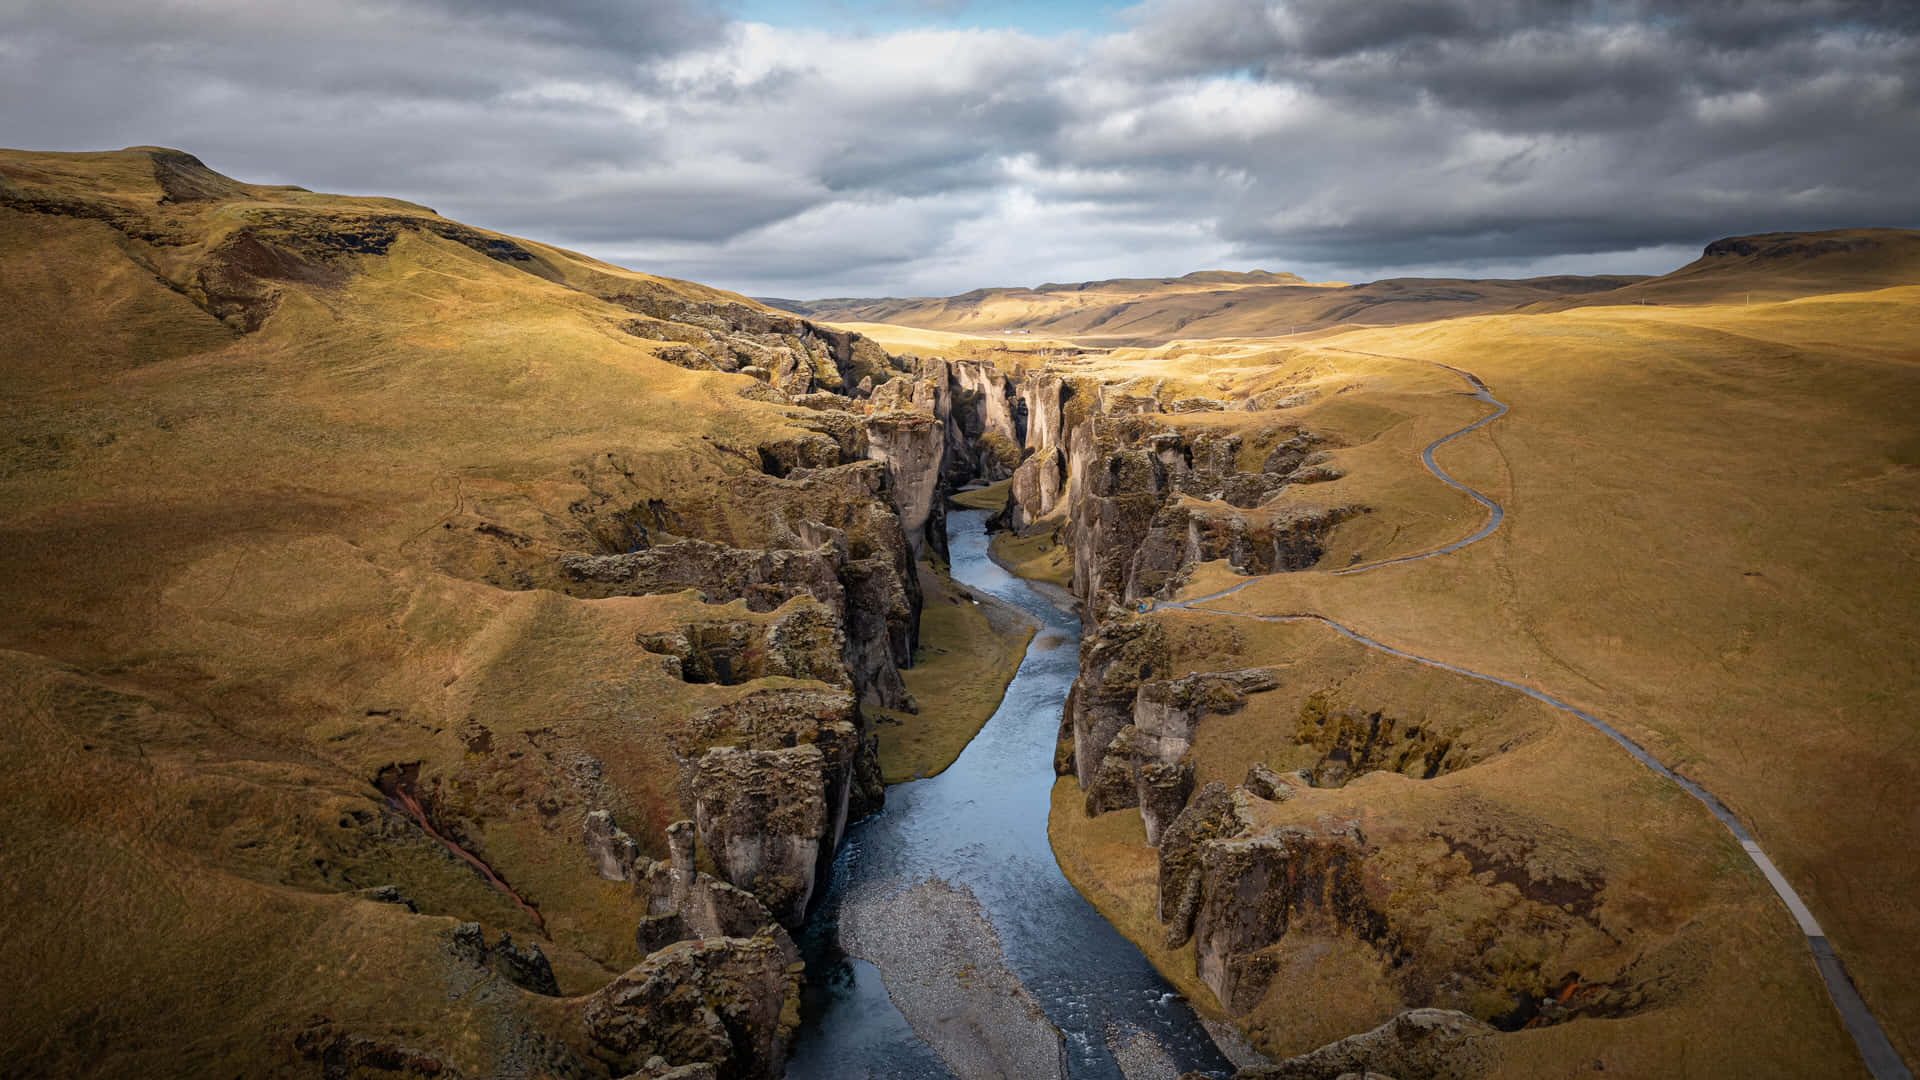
457,540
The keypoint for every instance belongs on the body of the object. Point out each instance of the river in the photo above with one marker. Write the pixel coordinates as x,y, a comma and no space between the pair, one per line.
981,826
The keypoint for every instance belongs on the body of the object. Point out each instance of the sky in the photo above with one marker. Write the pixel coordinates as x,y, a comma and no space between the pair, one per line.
928,147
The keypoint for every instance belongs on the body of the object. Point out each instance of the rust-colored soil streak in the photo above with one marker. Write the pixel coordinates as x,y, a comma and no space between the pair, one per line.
412,806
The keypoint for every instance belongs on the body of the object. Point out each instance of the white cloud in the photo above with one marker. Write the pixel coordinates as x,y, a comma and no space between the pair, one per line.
1335,137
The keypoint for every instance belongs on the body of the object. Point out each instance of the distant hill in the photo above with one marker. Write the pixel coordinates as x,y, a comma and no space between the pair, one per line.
1260,303
1775,266
1208,303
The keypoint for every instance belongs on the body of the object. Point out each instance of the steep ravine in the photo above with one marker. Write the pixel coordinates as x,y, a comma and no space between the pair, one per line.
948,906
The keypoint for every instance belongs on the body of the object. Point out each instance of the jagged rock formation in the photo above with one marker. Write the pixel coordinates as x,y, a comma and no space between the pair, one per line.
1251,887
526,968
795,355
831,533
719,988
1234,890
772,818
1165,713
1352,744
1142,499
913,445
729,1003
1147,502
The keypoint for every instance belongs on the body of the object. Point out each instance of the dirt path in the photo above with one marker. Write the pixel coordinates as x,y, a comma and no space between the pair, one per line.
1880,1057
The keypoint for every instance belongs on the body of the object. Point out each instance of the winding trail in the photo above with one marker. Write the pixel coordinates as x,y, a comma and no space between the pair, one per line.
1878,1053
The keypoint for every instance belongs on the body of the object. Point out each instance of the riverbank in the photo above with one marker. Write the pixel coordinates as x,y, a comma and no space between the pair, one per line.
971,644
979,829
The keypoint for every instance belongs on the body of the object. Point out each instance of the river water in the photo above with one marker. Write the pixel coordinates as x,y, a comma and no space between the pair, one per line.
982,824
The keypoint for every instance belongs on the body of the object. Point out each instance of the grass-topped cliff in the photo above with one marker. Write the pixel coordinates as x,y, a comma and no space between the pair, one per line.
1707,534
350,548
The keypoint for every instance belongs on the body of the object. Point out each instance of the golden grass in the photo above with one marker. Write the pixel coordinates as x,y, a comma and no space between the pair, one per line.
1676,884
1040,557
992,497
1711,513
1711,517
270,540
969,652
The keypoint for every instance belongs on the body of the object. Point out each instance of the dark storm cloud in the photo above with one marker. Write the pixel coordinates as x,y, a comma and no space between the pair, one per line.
1338,137
1425,132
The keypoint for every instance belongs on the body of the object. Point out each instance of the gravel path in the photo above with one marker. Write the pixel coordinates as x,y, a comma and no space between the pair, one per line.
943,967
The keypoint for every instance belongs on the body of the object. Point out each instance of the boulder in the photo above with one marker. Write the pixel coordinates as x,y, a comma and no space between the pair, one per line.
1262,782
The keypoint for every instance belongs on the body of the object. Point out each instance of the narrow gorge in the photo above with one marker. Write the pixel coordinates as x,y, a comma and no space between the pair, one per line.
524,666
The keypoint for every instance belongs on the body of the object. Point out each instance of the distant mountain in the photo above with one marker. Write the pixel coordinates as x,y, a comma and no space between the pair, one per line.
1207,303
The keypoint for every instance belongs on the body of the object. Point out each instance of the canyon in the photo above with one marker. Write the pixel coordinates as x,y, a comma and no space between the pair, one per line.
484,591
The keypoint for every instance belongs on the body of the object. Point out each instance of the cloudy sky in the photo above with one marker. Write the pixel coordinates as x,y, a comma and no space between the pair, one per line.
913,147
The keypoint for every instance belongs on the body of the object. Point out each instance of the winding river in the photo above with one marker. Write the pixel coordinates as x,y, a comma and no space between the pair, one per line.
981,826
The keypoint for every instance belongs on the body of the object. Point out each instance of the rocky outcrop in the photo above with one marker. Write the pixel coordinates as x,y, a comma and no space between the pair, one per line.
913,445
1113,664
801,356
1234,890
1045,397
803,641
1263,783
1039,484
772,819
613,852
1419,1044
1162,791
1353,744
765,579
1153,721
729,1003
1444,908
1147,501
1291,538
868,605
526,968
1167,711
678,903
990,417
718,991
1113,785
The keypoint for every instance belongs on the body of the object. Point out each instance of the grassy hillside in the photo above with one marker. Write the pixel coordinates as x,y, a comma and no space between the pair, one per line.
1770,267
286,476
1713,517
